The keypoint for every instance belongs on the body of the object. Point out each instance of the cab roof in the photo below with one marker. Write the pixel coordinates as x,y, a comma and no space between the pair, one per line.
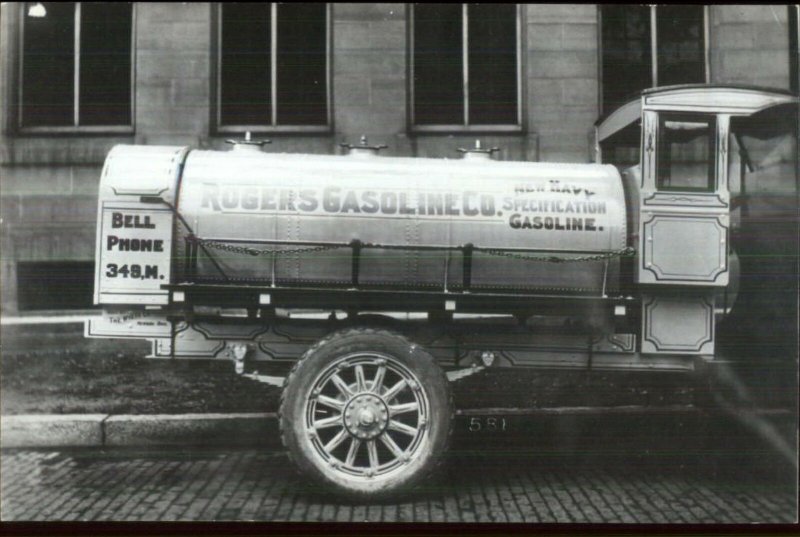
738,100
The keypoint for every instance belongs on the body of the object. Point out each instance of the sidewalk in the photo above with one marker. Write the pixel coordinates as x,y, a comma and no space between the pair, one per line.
60,389
53,369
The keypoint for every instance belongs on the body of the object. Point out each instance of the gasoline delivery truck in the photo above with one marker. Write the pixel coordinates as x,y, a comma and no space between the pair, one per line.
379,280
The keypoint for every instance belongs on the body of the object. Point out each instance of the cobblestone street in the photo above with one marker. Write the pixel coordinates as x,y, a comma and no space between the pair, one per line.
498,485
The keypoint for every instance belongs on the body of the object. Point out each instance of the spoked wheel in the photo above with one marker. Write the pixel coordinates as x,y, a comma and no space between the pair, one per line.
367,412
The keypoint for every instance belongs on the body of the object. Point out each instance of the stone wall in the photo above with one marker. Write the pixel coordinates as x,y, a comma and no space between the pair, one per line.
749,45
562,78
48,194
173,73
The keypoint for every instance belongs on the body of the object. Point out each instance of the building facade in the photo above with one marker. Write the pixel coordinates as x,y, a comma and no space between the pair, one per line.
531,79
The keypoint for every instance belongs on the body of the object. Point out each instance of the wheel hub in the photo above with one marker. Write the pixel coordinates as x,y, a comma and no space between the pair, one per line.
366,416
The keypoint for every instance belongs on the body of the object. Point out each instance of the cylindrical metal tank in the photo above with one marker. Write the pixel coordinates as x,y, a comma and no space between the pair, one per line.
565,210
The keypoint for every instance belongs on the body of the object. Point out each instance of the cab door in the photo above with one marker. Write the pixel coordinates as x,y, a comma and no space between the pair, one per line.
684,199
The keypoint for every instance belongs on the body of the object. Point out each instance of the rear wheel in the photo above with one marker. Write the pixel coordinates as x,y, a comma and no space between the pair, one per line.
366,412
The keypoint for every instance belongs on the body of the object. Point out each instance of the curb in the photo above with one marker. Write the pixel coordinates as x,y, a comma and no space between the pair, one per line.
232,429
98,430
52,430
261,429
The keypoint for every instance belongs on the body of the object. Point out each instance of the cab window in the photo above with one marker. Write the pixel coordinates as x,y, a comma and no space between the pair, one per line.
686,154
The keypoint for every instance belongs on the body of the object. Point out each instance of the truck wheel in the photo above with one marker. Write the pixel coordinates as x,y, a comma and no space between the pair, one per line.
366,412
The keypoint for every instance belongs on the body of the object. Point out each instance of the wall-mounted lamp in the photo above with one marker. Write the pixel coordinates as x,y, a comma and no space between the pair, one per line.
37,10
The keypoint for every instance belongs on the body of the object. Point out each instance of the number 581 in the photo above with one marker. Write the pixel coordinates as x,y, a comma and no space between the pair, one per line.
488,423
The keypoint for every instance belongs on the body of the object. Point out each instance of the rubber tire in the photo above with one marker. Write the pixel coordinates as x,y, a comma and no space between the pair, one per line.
432,379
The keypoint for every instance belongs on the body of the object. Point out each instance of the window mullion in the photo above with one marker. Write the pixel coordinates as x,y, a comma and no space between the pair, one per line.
464,60
654,45
328,29
77,73
707,70
273,64
412,97
132,95
518,28
21,72
220,16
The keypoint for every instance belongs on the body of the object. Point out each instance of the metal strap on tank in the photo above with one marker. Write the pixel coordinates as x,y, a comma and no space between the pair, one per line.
356,246
469,249
273,253
622,252
232,248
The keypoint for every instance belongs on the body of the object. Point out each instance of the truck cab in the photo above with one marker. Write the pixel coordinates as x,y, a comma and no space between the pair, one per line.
683,154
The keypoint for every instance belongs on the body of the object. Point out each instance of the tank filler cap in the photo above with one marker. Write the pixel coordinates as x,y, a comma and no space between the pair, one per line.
363,149
248,144
477,152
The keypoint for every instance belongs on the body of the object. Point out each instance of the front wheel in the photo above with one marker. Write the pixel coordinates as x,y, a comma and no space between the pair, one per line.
366,412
